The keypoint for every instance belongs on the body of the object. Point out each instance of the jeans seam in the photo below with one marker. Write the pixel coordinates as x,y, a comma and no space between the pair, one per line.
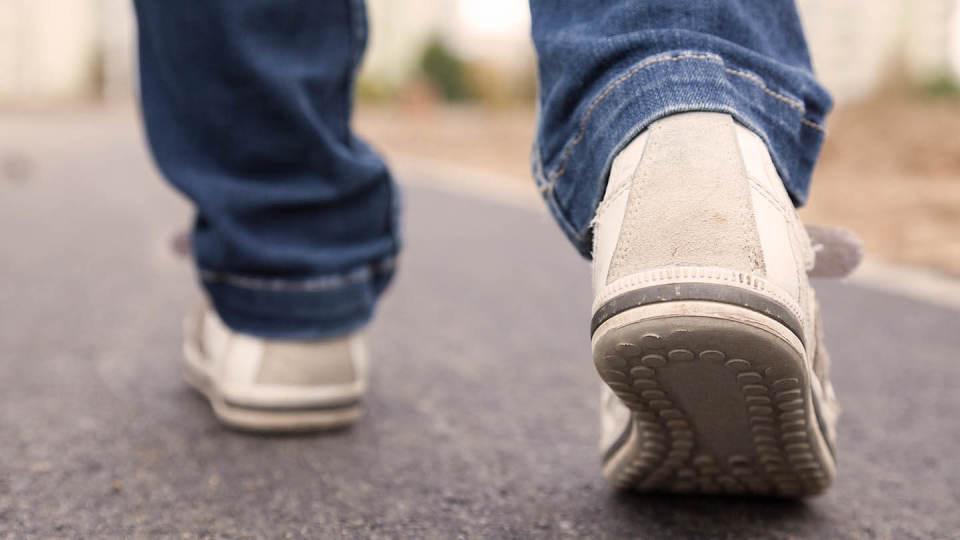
560,169
323,283
758,81
549,195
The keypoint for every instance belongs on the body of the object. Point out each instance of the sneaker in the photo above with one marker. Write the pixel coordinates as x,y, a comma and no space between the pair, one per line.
274,385
705,328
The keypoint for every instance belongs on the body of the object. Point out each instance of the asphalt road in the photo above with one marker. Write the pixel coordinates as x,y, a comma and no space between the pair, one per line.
482,420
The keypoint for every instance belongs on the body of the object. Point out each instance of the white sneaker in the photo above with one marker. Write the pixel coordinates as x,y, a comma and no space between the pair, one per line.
274,385
705,327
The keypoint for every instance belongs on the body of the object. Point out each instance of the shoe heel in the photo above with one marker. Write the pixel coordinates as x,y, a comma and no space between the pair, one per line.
721,402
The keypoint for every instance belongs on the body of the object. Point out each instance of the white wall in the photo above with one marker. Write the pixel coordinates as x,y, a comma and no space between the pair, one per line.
954,40
47,49
853,42
118,41
399,29
929,26
856,42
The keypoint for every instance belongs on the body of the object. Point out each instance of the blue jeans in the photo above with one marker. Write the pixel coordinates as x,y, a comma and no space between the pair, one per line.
247,108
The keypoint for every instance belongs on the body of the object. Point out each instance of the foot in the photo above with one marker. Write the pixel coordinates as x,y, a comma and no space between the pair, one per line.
705,327
272,385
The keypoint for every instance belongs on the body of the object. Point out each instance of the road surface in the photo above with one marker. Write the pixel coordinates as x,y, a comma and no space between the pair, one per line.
482,419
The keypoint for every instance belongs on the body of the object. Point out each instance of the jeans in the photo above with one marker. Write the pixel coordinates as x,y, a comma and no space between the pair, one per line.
247,109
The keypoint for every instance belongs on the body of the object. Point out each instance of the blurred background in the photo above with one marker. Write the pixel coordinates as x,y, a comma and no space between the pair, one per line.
452,83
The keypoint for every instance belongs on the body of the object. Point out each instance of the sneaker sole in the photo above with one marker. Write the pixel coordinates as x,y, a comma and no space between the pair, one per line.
297,418
721,402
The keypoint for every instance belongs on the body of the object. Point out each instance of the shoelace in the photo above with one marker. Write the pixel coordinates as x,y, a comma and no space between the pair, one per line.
838,251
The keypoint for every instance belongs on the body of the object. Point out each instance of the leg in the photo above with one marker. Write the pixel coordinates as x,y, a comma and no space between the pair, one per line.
607,73
674,138
247,108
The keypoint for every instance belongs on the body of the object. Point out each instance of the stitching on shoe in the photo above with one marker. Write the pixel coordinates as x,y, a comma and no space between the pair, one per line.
616,83
315,284
792,229
608,201
767,194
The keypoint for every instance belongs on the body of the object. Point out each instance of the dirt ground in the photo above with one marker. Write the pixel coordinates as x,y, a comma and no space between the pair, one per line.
890,168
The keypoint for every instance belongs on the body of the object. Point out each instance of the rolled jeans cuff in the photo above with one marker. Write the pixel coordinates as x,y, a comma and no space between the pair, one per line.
786,109
313,308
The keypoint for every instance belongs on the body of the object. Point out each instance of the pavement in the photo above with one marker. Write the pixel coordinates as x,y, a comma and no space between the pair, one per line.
482,419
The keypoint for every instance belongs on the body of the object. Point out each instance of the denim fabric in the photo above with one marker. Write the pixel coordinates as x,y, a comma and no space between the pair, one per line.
609,69
247,109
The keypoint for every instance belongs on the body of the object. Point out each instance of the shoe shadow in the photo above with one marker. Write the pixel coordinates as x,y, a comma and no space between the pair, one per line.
670,515
287,435
201,408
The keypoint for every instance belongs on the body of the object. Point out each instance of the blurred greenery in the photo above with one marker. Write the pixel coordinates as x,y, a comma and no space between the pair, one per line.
375,90
445,71
441,74
943,86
